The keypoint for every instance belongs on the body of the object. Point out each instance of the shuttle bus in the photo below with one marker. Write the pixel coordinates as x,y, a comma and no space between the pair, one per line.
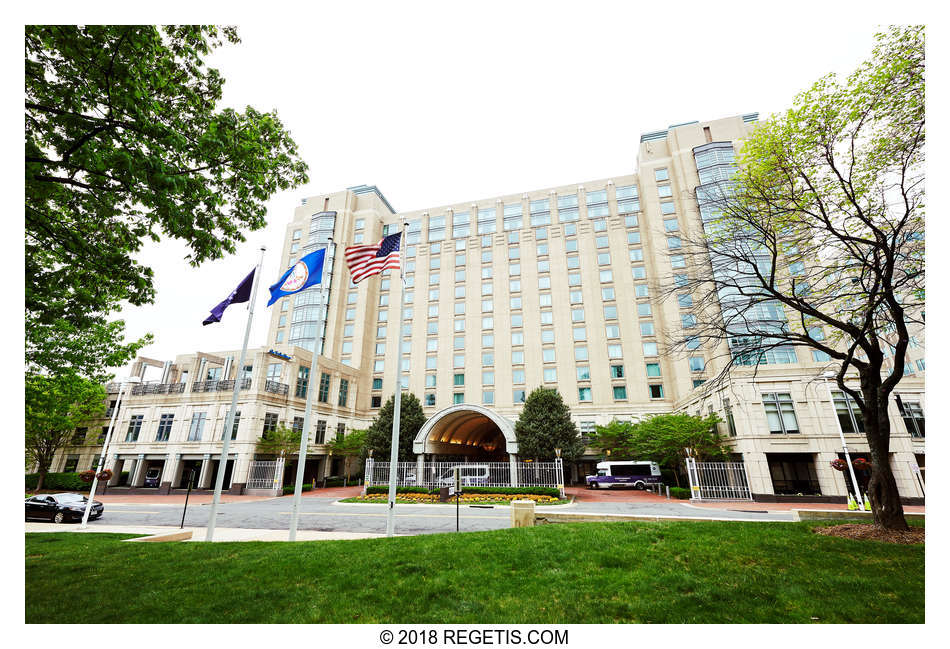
630,473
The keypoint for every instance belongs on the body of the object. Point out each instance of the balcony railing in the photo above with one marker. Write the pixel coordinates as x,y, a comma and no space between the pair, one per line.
218,386
276,388
158,388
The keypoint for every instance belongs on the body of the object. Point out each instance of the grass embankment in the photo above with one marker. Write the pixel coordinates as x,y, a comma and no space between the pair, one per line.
591,572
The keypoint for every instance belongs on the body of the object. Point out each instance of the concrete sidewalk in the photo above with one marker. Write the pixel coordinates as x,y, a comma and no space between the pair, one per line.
221,534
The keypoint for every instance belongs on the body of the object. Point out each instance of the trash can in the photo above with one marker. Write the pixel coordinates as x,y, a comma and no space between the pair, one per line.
444,496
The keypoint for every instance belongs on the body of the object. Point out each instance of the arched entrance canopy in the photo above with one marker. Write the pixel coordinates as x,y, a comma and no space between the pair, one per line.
465,429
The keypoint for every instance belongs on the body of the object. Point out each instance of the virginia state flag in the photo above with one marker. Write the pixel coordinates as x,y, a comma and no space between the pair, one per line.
304,274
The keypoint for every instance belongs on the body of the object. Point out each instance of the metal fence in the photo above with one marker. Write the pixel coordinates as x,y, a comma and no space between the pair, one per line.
718,480
473,474
265,474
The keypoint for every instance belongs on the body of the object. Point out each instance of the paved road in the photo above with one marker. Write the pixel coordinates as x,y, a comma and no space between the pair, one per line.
325,514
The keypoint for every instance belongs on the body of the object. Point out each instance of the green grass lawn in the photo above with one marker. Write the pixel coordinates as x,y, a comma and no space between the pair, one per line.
573,573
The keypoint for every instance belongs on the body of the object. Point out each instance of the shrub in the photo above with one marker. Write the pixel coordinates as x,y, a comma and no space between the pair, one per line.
289,488
679,493
53,481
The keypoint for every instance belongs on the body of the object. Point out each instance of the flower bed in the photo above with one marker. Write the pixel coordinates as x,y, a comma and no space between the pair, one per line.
464,498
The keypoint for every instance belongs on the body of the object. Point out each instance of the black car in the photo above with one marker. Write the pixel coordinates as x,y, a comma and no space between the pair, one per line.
60,508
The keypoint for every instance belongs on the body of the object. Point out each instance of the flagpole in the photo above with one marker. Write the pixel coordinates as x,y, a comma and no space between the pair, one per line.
311,388
394,450
229,421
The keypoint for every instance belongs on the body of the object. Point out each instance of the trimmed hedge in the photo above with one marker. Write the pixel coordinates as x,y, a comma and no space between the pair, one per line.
67,481
680,493
289,488
354,481
536,491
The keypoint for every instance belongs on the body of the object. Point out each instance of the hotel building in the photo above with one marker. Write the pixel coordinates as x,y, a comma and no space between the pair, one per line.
556,287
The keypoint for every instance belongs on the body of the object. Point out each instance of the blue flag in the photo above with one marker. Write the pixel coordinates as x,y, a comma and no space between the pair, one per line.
241,294
304,274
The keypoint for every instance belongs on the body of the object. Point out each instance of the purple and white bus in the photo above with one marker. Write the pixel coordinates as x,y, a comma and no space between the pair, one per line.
630,473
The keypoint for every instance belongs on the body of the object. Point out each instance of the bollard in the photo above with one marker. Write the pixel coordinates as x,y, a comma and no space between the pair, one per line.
522,513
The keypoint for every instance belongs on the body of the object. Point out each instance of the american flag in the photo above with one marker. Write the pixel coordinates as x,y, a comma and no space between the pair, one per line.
364,261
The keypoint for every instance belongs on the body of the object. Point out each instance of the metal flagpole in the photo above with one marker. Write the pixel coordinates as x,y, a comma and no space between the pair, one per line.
394,451
844,444
229,422
311,388
127,386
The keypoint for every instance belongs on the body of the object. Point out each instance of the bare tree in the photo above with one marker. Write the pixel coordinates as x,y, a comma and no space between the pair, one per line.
813,237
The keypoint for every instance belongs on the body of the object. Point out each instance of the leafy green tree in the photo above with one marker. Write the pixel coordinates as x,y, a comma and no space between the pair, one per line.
55,406
411,420
124,143
280,441
618,438
350,445
544,425
662,439
817,240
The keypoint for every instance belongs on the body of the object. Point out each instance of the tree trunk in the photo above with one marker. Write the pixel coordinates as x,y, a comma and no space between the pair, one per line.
882,488
42,478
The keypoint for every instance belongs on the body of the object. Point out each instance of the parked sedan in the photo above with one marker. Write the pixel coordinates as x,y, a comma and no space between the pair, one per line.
60,508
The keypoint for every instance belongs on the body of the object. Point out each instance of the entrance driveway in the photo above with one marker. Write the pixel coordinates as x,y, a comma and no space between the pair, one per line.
585,495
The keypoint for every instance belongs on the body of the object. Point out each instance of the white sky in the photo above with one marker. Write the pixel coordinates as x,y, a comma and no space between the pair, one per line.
482,105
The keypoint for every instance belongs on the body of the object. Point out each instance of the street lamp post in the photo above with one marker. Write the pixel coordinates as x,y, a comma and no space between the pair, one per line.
105,446
559,467
844,445
329,464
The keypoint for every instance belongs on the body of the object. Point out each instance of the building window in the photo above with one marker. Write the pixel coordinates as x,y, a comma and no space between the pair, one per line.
135,425
730,421
320,433
430,398
375,401
458,397
646,329
620,392
323,396
913,417
583,394
849,415
270,423
583,373
780,412
517,377
696,364
303,379
197,427
164,427
661,174
616,372
580,353
517,396
550,375
656,391
653,369
649,349
234,426
344,389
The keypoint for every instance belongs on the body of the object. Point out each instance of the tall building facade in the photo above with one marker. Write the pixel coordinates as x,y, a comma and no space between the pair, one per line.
561,288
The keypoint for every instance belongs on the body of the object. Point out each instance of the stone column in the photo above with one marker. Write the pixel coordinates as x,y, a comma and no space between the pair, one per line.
830,480
116,471
204,478
513,468
169,472
420,469
760,480
138,476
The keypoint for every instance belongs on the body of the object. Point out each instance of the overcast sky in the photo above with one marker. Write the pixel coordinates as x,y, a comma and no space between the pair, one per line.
462,106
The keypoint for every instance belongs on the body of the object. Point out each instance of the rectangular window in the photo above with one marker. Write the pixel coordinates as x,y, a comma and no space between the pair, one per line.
461,225
458,397
488,359
164,427
270,423
488,378
550,375
517,396
303,379
583,373
458,361
656,391
653,369
375,401
583,394
488,396
620,392
849,415
197,427
580,353
344,389
649,349
696,364
661,174
517,377
780,412
646,329
135,425
913,416
323,396
614,351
